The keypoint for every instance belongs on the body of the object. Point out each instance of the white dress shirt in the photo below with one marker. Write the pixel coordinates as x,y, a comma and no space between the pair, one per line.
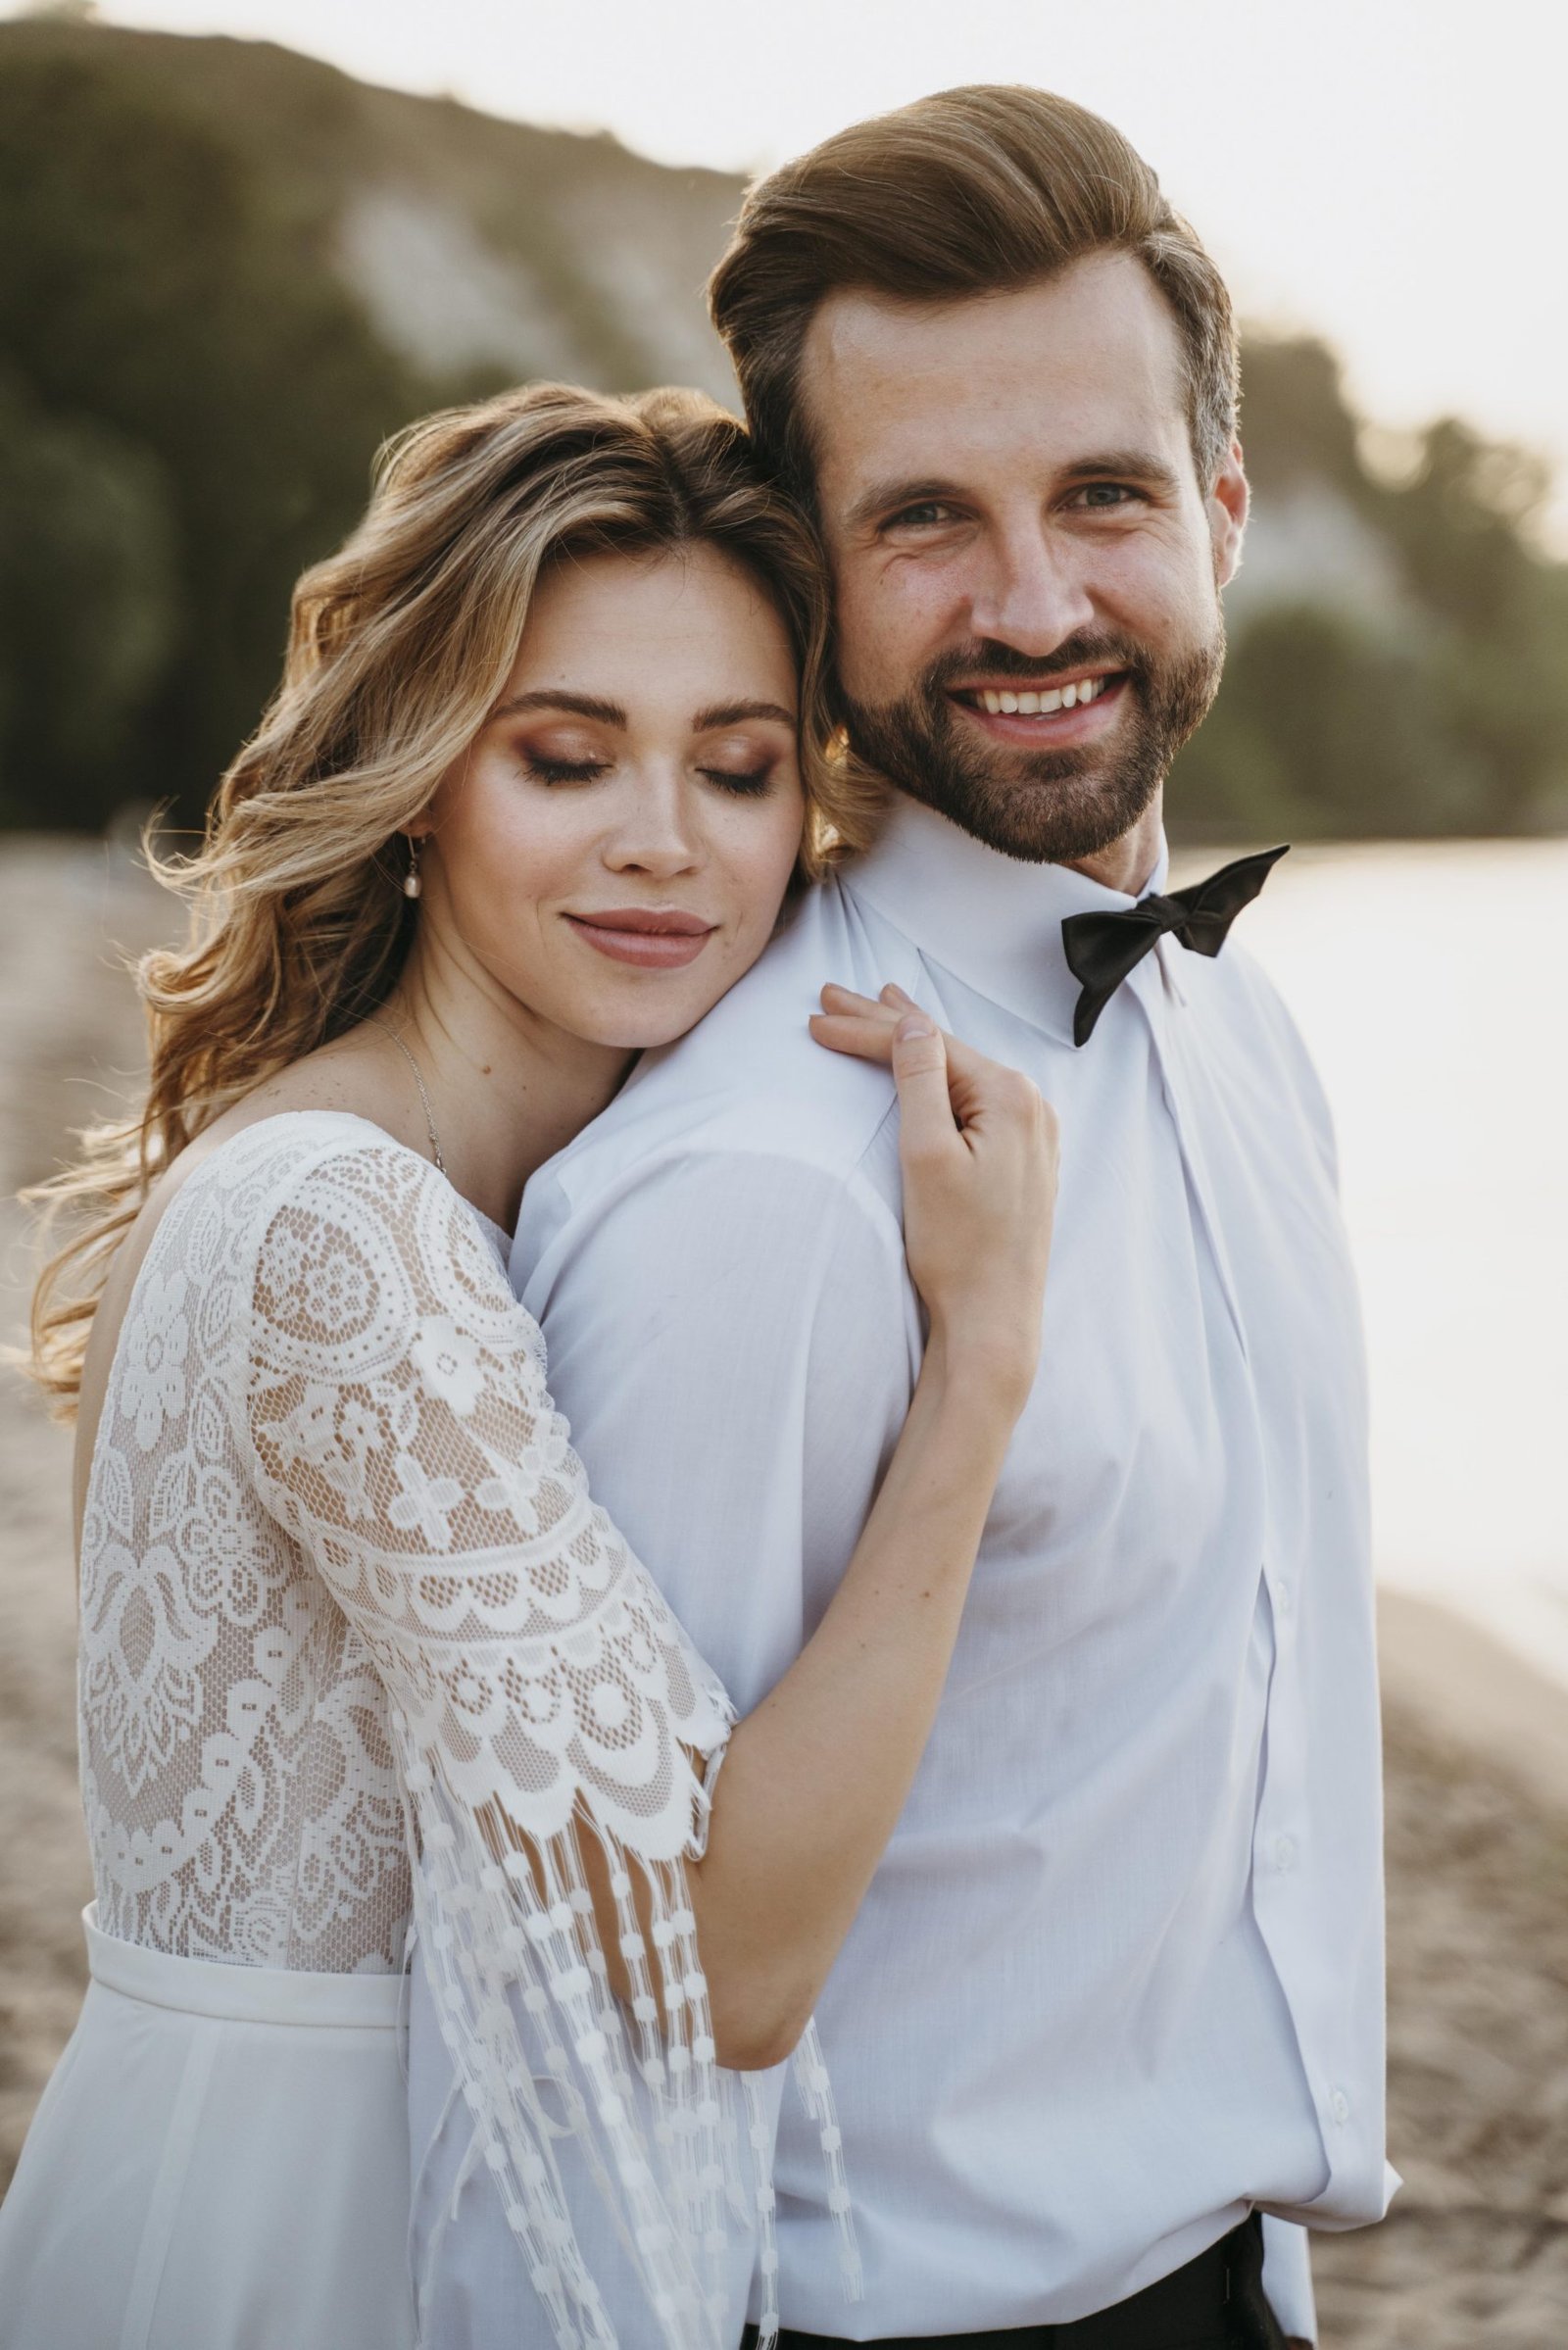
1119,1975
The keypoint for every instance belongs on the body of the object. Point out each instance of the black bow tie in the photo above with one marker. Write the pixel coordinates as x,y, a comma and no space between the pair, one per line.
1101,949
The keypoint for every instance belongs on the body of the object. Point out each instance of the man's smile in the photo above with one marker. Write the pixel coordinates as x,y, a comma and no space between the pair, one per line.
1055,710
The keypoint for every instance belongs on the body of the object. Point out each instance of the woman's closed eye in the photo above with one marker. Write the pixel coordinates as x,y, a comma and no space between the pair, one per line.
747,782
743,764
545,769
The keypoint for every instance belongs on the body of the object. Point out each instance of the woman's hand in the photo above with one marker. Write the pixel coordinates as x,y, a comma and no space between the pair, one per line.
979,1147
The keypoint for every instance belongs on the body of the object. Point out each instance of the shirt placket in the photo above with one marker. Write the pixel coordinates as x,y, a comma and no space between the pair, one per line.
1281,1870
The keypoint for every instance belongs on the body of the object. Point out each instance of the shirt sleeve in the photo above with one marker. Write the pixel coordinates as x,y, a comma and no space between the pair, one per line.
541,1693
735,1338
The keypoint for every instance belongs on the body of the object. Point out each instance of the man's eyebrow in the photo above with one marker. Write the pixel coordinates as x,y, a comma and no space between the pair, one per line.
886,497
583,705
1124,465
735,713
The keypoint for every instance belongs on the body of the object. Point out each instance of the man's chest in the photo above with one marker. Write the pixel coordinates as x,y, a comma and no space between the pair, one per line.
1199,1406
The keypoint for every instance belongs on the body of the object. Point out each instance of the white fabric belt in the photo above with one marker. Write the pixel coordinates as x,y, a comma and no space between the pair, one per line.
203,1986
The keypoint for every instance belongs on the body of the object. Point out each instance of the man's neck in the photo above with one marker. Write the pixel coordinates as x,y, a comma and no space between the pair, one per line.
1128,861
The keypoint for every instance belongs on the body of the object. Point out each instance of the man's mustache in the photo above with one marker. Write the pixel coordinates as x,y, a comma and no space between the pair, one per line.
990,659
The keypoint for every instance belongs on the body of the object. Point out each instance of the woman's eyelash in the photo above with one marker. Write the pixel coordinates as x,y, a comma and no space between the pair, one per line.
731,779
564,770
745,782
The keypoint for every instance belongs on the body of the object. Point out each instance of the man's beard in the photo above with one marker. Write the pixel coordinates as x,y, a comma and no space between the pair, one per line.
1045,807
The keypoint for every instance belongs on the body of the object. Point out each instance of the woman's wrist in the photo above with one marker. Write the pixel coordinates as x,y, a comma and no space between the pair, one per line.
980,1364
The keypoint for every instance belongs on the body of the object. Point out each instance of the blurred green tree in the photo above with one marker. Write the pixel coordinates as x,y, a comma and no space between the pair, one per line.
1465,527
1446,712
1349,733
89,606
152,286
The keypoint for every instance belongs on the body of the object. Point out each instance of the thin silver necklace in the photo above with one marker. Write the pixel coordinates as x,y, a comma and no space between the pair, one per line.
425,1099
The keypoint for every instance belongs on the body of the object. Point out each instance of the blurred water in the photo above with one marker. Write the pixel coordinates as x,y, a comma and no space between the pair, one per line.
1431,982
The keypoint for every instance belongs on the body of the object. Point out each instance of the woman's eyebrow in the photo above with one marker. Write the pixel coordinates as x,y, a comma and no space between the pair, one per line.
583,705
734,714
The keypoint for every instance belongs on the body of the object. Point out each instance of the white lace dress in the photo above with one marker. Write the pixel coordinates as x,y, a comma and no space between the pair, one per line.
346,1610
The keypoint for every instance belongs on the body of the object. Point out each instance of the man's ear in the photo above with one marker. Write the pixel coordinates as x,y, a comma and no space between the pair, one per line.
1228,504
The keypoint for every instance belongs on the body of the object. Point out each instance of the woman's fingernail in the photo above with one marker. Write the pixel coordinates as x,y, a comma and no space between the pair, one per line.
912,1024
893,988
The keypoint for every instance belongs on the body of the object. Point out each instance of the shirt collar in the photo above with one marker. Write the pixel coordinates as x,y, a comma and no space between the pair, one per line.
994,921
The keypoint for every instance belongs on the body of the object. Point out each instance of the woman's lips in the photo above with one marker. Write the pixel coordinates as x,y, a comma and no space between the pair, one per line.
649,941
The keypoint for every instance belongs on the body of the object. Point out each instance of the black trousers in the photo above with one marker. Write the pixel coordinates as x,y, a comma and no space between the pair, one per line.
1214,2303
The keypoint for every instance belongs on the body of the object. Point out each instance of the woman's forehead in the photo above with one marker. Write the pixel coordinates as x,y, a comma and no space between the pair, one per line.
667,616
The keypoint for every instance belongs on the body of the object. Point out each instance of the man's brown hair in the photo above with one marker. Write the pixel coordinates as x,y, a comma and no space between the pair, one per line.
971,191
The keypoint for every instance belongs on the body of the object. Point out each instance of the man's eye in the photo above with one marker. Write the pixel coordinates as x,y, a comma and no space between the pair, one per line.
564,770
923,516
1104,496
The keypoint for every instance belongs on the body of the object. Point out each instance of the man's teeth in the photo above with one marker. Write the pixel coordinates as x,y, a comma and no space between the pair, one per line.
1028,705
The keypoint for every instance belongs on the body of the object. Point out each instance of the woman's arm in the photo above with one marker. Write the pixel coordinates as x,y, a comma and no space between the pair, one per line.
815,1777
449,1472
814,1781
543,1705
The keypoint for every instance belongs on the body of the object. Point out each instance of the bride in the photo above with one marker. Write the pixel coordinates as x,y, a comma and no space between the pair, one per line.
358,1651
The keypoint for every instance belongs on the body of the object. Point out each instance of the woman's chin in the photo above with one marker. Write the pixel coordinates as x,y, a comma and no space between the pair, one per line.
647,1034
661,1015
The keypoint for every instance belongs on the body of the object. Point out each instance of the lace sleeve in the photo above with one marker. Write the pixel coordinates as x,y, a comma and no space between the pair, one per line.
541,1695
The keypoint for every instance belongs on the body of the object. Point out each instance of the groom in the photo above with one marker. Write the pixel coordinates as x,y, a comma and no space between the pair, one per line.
1117,1986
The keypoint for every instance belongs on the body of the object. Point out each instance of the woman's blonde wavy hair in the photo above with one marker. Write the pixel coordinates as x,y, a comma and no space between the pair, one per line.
399,646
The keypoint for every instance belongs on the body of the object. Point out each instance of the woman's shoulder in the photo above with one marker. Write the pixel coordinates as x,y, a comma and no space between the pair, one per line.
192,1227
362,1255
291,1195
299,1215
335,1184
238,1177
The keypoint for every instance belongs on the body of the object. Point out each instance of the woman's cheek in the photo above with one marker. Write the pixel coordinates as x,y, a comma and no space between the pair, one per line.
539,850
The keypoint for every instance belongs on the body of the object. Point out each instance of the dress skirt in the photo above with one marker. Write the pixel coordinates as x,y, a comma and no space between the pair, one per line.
220,2162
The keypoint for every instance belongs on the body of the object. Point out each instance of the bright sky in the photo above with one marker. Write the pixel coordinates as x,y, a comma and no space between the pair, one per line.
1386,171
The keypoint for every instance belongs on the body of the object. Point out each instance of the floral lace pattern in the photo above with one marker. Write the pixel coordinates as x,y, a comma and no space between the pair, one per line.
346,1597
241,1791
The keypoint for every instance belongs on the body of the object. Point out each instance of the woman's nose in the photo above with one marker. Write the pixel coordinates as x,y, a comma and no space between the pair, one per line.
658,833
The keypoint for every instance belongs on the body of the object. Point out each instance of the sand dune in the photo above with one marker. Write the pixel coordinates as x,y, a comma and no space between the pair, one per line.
1476,2251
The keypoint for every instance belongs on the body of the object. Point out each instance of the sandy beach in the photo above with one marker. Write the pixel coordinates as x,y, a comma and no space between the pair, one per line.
1474,2255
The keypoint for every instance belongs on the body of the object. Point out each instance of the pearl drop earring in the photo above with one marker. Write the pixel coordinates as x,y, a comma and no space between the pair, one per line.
412,884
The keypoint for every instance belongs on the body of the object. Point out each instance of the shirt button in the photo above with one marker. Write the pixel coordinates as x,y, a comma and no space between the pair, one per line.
1285,1852
1340,2106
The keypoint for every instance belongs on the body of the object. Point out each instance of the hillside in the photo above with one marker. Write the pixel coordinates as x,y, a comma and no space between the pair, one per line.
474,243
227,271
